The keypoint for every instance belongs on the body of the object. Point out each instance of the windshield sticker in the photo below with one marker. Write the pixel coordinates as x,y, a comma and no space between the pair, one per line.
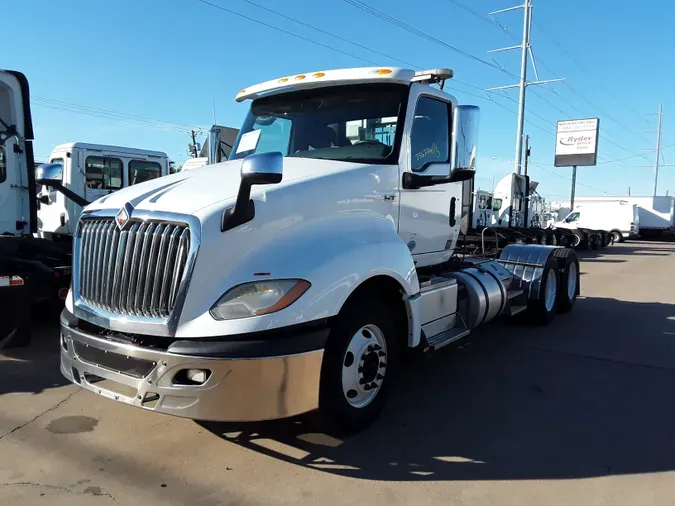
432,150
248,141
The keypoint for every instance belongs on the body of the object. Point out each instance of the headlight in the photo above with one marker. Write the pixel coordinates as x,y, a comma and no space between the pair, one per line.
258,298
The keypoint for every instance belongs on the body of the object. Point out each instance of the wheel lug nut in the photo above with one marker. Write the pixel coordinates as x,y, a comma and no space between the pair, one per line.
383,364
360,369
380,354
367,387
377,347
380,377
362,381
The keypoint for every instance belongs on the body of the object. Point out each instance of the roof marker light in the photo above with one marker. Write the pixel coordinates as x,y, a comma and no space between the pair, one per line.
383,72
283,80
300,77
318,74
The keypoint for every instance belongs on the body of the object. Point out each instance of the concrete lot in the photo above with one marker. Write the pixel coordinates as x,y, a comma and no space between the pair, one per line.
577,413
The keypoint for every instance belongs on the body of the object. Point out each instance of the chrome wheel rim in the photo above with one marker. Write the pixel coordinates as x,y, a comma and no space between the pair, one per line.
572,281
551,290
364,366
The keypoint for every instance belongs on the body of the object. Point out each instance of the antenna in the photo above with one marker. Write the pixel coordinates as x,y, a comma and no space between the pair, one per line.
526,49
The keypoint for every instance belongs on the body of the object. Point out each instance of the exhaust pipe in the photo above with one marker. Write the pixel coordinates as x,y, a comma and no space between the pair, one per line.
214,144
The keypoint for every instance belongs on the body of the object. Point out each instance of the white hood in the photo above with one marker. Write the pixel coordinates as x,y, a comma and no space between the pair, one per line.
188,192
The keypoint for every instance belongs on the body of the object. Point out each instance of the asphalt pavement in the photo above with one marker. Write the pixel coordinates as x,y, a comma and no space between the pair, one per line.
579,413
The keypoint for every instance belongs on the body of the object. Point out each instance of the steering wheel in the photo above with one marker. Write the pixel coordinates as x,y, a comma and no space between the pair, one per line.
369,141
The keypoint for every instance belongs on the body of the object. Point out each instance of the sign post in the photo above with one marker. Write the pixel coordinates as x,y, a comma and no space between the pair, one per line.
576,144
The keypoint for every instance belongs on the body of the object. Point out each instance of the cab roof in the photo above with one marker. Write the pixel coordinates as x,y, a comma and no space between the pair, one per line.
359,75
106,147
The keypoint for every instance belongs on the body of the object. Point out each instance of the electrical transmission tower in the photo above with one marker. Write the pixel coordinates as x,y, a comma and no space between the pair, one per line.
526,50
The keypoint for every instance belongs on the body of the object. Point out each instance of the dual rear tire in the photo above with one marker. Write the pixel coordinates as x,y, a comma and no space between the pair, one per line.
559,287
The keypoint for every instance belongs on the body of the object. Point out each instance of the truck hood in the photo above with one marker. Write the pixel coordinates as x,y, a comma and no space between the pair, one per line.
188,192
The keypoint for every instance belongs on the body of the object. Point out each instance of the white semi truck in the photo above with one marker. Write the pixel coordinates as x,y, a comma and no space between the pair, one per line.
294,276
31,269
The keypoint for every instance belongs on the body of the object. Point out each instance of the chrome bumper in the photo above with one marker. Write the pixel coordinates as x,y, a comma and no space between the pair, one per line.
250,389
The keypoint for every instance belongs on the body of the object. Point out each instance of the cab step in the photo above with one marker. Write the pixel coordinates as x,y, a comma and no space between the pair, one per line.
515,309
513,293
444,338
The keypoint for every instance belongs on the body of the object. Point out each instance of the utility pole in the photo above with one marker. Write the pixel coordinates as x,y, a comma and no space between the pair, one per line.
193,134
658,149
525,49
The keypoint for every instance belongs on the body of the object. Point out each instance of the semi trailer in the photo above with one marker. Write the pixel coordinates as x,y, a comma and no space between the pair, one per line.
296,275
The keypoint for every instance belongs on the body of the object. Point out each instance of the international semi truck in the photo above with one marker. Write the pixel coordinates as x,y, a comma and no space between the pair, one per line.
296,275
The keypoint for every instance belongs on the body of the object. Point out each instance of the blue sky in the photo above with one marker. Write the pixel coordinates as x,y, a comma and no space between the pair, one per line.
173,60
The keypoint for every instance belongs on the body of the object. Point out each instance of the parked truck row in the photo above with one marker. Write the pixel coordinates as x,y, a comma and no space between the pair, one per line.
343,232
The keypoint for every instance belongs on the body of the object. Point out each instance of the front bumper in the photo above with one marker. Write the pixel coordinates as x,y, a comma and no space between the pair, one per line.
237,389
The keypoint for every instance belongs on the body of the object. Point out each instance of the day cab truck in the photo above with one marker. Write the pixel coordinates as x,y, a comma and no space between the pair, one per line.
294,276
92,171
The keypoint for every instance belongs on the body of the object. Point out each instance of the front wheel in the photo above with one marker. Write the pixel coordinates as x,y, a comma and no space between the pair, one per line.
617,236
359,364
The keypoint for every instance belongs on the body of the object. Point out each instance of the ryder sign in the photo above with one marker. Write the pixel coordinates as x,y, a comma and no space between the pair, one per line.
576,142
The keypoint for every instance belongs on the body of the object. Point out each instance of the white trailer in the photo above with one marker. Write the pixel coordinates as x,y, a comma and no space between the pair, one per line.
93,171
294,276
619,217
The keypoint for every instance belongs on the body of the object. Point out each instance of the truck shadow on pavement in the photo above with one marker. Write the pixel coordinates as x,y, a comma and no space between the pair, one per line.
586,397
36,367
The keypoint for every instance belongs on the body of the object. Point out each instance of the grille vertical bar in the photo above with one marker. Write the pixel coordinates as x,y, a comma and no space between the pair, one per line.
135,272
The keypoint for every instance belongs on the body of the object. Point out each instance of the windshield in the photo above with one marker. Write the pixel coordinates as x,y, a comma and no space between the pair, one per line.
355,123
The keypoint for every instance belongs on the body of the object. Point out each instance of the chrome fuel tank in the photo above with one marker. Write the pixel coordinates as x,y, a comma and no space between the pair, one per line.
485,286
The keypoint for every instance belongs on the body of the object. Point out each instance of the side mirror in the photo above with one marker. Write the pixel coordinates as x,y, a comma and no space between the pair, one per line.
465,141
51,175
261,168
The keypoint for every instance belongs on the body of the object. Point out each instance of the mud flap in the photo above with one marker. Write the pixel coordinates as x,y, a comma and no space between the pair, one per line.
15,310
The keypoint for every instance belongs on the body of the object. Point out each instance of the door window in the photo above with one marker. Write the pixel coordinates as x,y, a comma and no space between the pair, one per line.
430,134
103,173
3,165
496,204
572,218
143,170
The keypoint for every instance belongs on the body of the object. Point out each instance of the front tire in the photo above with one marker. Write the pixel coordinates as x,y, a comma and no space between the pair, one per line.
360,361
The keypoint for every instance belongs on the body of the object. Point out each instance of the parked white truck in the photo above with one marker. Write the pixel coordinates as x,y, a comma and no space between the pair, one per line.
294,276
31,269
619,217
656,215
93,171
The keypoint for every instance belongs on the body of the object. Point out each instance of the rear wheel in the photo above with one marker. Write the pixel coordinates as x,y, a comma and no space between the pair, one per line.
542,310
569,276
360,360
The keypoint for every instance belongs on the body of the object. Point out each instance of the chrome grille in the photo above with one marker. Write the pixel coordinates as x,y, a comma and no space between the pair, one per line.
137,271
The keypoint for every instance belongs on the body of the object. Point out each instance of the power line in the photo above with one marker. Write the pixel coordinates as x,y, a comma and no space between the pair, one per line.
312,27
110,114
411,29
286,32
636,156
543,167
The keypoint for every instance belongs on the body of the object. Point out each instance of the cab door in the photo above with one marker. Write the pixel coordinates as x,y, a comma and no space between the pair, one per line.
429,217
18,205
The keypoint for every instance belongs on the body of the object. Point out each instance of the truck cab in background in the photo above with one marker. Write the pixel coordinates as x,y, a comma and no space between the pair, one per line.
92,171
